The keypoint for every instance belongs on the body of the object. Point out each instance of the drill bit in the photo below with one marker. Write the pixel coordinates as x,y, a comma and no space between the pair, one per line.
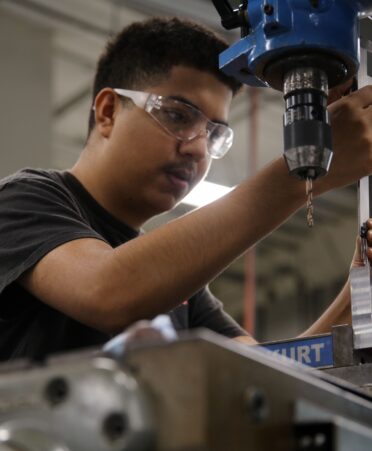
309,202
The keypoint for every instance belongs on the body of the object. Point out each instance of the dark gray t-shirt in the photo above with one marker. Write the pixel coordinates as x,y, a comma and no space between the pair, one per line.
40,210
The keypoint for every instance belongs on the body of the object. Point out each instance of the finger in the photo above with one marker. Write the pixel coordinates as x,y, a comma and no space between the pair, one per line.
341,90
369,254
361,98
367,112
369,237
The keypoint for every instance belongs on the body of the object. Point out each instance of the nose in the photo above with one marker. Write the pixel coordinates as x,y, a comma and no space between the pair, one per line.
196,148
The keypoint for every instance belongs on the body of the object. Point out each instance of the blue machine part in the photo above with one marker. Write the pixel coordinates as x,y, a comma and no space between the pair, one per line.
313,351
278,28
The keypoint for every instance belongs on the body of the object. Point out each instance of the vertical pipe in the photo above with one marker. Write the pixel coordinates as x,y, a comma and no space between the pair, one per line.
249,302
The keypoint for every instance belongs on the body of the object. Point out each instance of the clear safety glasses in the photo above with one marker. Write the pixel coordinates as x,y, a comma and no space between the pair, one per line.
183,121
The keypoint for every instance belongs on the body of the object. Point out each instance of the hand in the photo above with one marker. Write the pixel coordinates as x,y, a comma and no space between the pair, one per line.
246,339
357,260
342,90
351,120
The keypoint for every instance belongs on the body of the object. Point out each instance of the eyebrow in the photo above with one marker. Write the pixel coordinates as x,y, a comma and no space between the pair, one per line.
188,102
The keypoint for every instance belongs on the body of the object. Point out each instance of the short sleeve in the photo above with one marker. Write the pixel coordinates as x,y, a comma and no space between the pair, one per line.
207,311
37,214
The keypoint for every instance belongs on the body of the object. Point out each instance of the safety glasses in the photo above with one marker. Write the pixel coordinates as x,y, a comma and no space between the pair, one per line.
183,121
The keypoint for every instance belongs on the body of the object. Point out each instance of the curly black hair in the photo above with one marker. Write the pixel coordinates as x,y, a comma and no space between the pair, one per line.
146,51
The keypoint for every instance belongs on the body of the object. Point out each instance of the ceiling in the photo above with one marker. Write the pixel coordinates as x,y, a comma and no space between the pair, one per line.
294,261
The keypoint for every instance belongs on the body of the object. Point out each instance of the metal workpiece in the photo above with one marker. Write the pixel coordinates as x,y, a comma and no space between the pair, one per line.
200,393
361,306
361,278
361,292
75,404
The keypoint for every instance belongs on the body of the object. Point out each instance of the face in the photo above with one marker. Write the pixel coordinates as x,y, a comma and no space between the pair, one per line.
150,171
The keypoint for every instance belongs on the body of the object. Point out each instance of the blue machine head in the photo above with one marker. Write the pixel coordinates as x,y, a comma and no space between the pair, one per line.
295,29
303,48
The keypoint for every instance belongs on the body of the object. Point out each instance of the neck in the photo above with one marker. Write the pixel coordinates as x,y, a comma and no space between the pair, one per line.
92,173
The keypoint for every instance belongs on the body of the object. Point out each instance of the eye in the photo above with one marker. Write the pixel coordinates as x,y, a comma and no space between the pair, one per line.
177,116
216,133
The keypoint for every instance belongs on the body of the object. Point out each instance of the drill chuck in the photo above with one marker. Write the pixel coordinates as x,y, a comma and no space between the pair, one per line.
307,130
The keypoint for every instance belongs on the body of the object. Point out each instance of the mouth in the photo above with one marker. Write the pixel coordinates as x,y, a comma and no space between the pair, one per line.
181,177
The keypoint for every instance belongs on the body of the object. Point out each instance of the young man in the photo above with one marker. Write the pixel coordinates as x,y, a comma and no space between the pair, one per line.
75,268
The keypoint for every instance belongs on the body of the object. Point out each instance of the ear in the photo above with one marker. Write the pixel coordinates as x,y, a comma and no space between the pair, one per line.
106,106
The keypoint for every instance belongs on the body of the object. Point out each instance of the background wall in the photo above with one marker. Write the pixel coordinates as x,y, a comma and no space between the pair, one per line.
26,87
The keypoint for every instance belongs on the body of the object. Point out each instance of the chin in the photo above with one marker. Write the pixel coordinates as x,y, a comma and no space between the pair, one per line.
167,203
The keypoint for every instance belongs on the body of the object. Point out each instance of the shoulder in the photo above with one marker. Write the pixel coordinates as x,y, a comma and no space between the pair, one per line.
36,185
29,175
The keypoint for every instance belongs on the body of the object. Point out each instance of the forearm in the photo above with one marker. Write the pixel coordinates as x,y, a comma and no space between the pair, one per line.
109,289
169,264
338,312
246,340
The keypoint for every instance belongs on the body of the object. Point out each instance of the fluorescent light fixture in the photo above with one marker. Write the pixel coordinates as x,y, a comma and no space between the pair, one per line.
204,193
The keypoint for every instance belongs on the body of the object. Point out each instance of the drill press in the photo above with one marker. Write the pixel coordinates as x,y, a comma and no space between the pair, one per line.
302,48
